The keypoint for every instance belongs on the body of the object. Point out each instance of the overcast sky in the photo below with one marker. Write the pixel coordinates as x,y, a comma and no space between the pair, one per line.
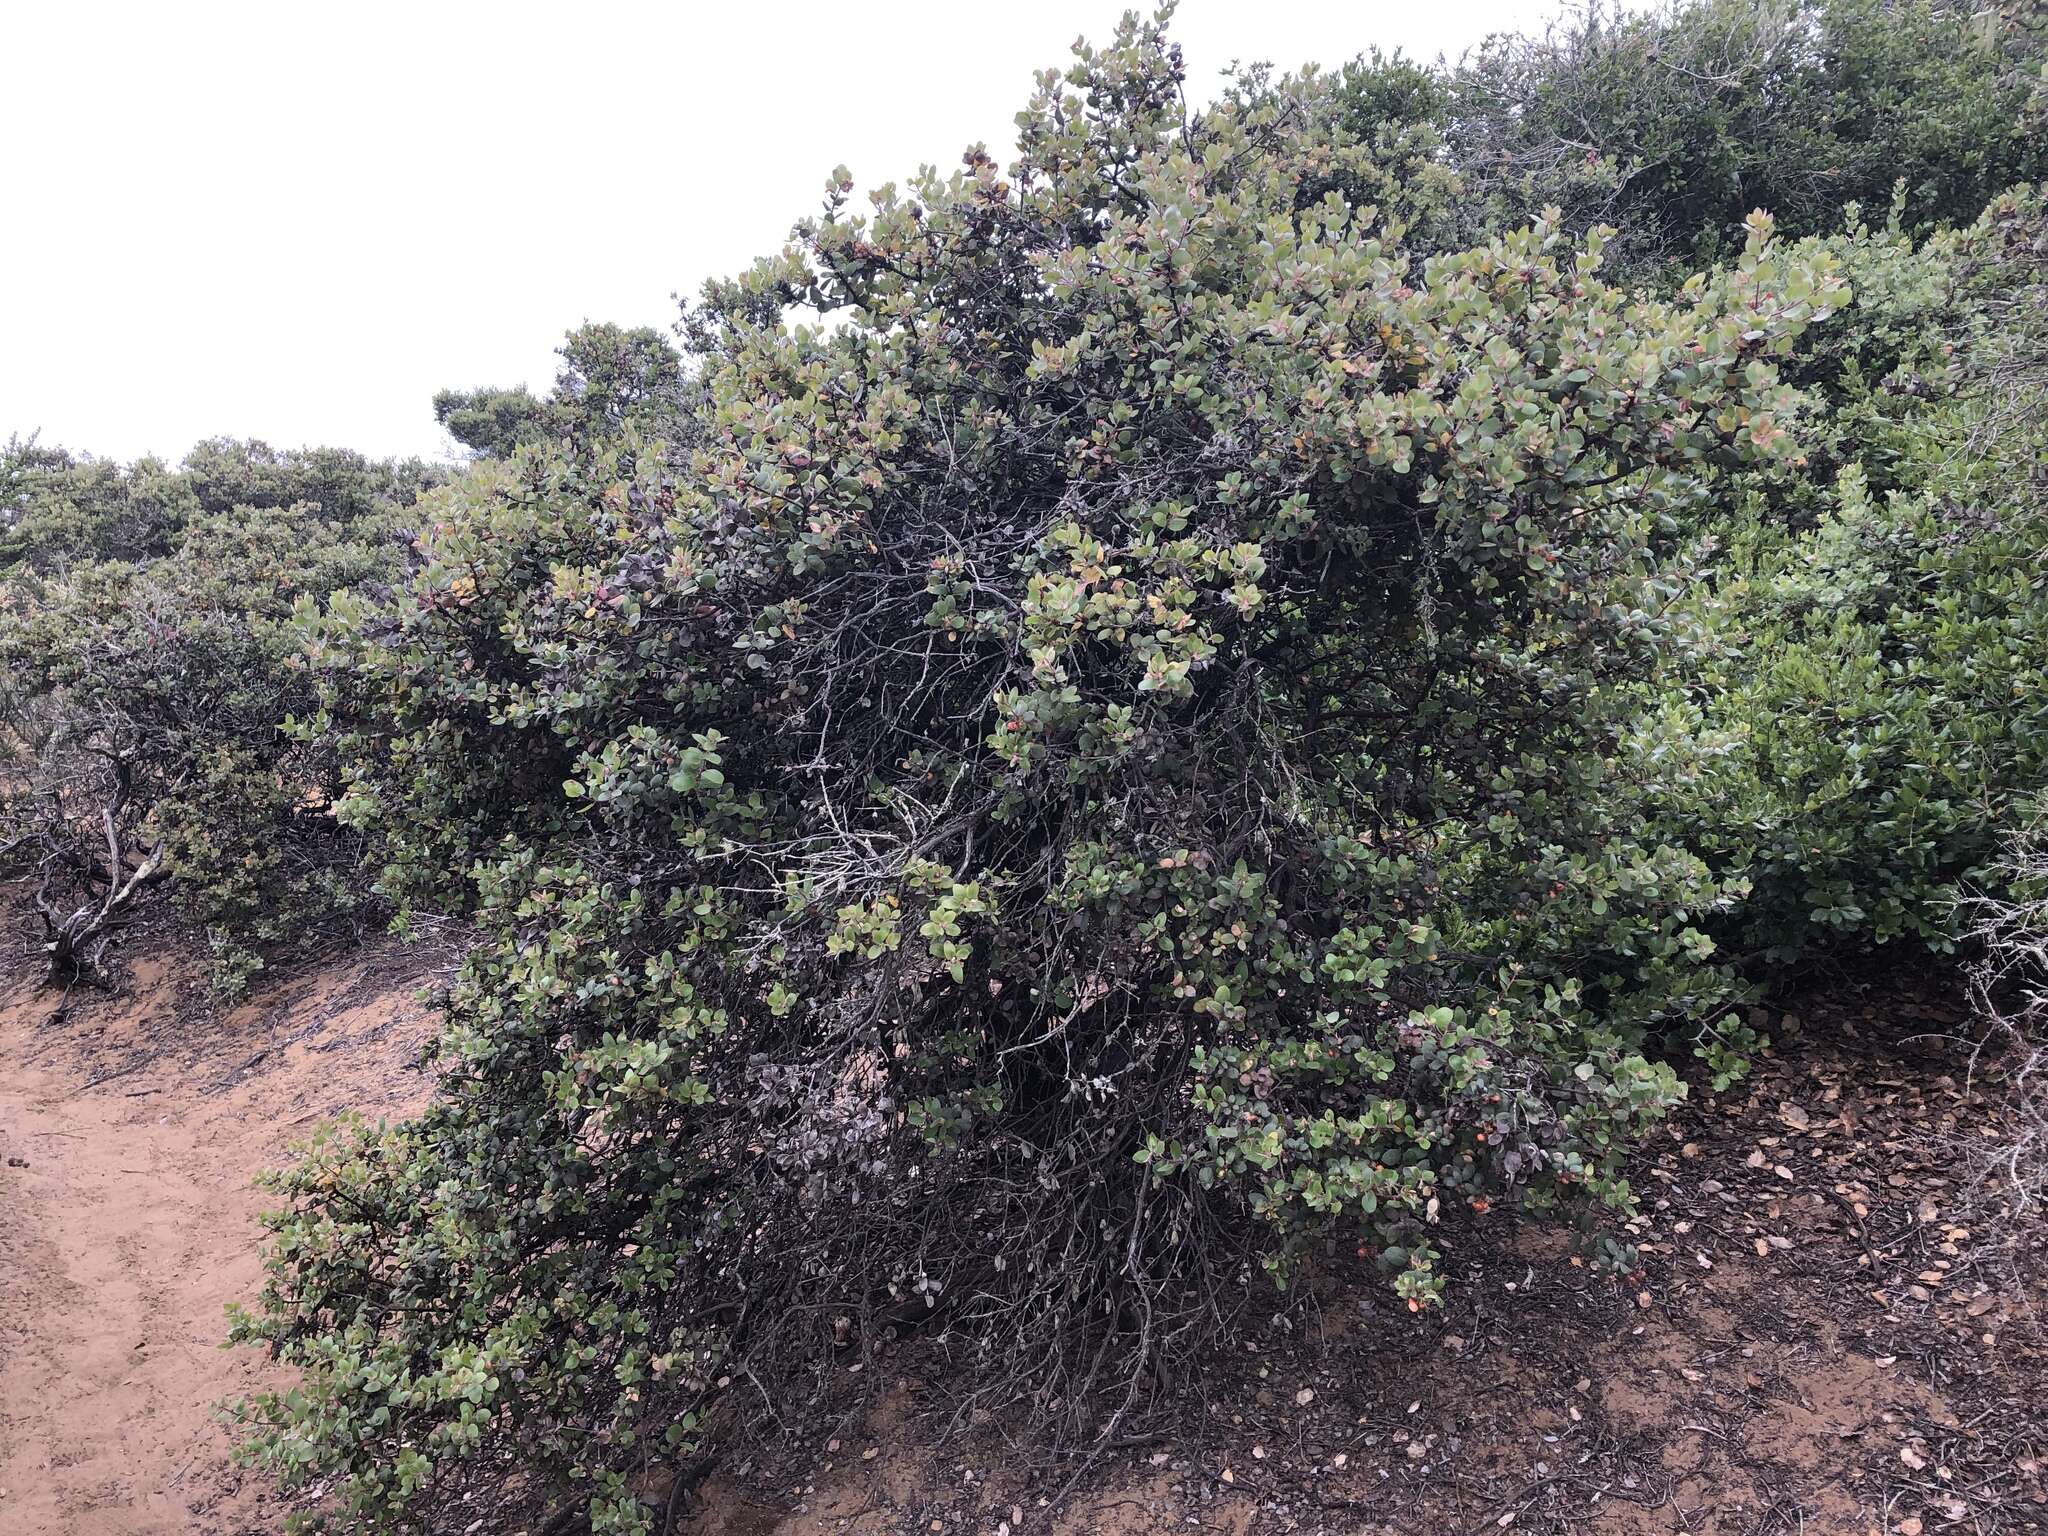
296,221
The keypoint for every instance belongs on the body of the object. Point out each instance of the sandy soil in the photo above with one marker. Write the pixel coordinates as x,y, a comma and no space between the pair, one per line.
1831,1332
131,1127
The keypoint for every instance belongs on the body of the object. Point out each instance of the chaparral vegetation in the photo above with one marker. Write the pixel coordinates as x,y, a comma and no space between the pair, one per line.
1242,687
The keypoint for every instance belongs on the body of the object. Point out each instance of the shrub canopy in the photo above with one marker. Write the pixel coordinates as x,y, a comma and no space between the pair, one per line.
147,673
1109,759
1673,122
1868,706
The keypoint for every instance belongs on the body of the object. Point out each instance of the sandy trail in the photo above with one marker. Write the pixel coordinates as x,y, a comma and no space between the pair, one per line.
127,1225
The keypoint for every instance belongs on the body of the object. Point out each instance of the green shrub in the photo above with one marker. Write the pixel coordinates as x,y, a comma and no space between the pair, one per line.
1099,770
1877,710
1675,122
609,377
145,682
1887,712
60,510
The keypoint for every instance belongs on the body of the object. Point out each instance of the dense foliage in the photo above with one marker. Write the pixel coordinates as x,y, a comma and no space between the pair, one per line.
147,672
1101,767
1876,715
1256,688
610,377
1672,123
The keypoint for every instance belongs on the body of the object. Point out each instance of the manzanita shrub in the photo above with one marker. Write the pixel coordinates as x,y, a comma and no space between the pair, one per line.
1108,766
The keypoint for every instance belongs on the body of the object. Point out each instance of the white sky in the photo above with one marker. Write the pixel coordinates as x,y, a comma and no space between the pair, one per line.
296,220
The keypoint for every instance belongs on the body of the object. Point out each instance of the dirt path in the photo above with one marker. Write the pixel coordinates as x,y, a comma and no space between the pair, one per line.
127,1226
